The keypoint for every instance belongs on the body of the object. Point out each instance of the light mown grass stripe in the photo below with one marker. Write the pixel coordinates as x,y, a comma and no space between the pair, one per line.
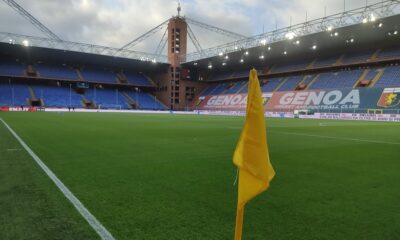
94,223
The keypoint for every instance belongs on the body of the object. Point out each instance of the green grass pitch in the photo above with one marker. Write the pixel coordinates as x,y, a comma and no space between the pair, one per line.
171,177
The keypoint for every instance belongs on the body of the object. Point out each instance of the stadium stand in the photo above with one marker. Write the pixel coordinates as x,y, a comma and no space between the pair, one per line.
146,101
50,95
291,83
371,74
272,84
389,53
137,79
220,88
11,68
14,95
325,62
343,79
356,57
98,75
56,71
235,87
106,98
6,98
390,77
53,96
209,90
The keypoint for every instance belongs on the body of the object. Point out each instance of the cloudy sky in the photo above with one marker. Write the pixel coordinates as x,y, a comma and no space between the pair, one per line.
115,22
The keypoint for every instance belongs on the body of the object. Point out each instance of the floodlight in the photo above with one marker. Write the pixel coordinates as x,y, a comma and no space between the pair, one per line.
290,35
263,42
25,43
372,18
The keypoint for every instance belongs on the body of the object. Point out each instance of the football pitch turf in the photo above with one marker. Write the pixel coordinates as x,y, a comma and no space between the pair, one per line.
164,176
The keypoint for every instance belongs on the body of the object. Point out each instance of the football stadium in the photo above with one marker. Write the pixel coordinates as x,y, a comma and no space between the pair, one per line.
173,134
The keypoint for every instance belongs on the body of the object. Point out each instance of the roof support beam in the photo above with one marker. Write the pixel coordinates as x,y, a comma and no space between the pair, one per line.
31,19
215,29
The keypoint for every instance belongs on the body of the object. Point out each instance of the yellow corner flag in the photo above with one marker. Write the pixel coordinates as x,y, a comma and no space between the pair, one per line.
251,154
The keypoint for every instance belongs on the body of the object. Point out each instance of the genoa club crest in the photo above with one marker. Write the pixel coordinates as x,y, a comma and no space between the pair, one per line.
390,98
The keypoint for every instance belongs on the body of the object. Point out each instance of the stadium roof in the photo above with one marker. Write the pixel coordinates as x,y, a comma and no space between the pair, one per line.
367,15
49,55
379,33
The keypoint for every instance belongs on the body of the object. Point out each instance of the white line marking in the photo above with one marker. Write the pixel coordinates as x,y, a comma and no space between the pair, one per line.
337,138
94,223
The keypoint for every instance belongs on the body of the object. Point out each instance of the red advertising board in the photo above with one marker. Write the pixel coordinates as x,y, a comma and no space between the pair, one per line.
230,102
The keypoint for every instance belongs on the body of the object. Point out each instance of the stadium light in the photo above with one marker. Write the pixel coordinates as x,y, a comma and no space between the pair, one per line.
263,42
269,48
285,53
365,20
314,47
25,43
290,35
335,34
220,54
297,42
380,25
246,53
261,57
226,57
154,60
195,64
241,60
372,18
329,28
236,48
210,66
224,64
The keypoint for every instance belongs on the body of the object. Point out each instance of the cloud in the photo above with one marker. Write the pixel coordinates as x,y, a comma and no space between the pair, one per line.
116,22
